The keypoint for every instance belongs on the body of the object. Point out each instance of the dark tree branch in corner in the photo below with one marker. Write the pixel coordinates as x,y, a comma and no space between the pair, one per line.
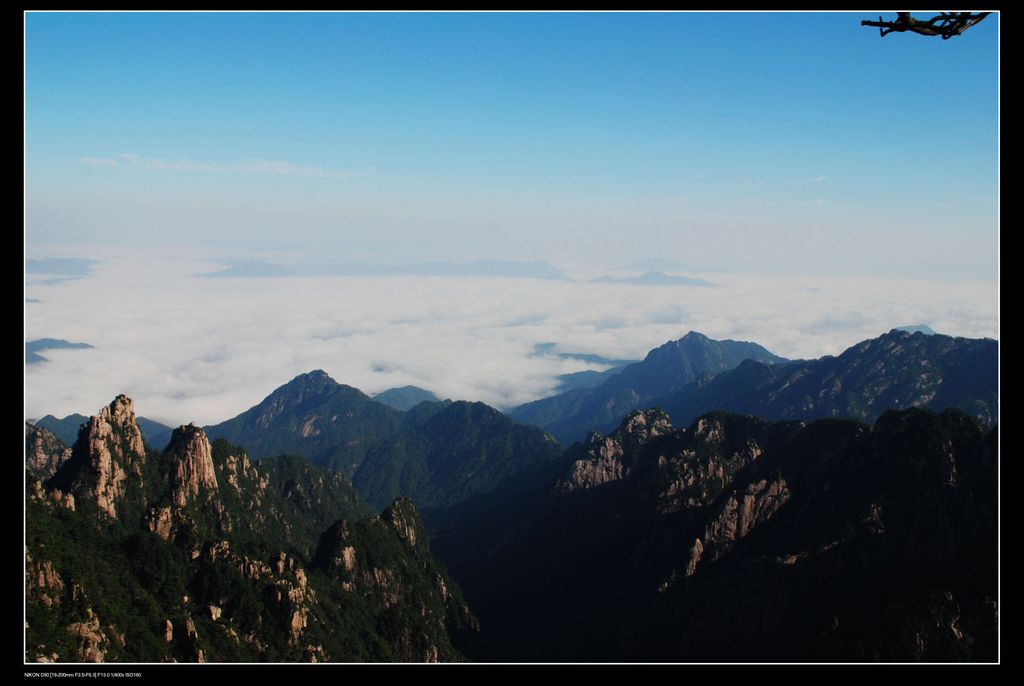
945,24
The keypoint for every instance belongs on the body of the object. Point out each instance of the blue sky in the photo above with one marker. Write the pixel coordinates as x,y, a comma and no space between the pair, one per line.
776,142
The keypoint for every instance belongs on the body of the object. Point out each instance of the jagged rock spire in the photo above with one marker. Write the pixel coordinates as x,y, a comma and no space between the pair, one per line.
192,469
602,459
109,446
44,453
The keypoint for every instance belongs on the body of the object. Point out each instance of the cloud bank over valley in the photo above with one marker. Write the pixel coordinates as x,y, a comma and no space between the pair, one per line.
189,348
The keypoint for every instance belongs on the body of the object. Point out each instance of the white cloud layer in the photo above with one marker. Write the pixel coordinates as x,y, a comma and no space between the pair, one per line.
203,350
98,161
254,166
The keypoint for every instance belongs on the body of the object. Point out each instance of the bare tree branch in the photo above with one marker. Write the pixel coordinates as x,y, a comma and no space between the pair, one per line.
945,24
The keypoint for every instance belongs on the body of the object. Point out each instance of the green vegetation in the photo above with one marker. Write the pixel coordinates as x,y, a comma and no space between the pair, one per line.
312,415
435,452
457,451
235,572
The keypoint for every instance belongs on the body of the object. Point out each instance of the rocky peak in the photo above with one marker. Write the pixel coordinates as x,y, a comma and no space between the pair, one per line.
309,384
888,342
611,459
335,548
192,468
294,393
676,363
642,425
42,582
235,466
44,452
707,354
120,412
736,516
116,425
109,447
709,428
404,518
600,463
691,339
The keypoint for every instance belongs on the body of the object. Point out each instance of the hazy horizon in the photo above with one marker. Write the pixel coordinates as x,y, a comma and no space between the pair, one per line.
190,348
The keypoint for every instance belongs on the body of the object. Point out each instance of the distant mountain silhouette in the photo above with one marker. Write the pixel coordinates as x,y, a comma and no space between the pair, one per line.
32,348
895,370
405,397
570,415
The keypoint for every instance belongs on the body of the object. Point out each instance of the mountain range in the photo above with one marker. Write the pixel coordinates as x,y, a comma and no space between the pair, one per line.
570,415
810,510
737,539
896,370
696,374
440,452
434,452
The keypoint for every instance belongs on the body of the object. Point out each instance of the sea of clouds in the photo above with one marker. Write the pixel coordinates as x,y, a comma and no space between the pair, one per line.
188,348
